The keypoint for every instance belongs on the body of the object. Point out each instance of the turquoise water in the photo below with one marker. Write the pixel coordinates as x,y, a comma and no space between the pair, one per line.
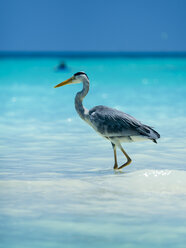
57,185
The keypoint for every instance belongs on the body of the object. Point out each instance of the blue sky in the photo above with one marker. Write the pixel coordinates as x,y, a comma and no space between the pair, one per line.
93,25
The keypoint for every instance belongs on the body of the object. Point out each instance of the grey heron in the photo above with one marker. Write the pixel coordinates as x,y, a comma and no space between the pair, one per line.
112,124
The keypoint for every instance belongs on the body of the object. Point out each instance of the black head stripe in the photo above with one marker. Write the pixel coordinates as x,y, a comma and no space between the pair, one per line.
80,73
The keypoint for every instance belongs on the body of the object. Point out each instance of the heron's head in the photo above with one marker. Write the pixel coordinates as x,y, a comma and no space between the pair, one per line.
75,79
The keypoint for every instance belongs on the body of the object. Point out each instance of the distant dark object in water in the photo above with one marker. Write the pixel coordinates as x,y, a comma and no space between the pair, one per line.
61,67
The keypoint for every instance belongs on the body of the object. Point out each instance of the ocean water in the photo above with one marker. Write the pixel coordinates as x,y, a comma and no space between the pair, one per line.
57,185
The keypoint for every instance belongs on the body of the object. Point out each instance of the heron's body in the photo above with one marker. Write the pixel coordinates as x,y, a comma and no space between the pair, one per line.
119,127
112,124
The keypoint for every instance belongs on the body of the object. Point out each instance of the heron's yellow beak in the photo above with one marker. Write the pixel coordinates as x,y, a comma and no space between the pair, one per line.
68,81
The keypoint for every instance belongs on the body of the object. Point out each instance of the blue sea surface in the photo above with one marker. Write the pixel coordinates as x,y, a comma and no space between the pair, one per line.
57,185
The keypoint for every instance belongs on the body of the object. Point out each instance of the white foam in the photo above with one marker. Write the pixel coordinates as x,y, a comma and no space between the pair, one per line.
157,181
143,191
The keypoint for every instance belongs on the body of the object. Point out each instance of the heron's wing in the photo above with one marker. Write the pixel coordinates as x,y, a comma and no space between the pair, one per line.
112,122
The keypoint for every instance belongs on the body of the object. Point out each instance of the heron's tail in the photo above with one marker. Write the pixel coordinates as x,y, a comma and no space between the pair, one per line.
149,132
155,134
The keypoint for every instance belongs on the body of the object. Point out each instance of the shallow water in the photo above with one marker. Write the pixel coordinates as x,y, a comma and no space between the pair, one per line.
57,185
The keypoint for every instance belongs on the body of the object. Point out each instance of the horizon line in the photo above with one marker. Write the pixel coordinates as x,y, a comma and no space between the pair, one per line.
92,53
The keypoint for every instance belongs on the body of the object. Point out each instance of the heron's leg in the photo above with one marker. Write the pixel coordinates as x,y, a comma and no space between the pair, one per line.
115,157
127,156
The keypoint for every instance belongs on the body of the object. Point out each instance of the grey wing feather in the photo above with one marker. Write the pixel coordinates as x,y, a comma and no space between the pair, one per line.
112,122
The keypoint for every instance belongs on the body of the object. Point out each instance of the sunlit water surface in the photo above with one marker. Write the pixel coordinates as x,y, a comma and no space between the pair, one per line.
57,185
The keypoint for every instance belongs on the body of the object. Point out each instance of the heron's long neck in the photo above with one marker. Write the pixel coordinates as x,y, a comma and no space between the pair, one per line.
82,111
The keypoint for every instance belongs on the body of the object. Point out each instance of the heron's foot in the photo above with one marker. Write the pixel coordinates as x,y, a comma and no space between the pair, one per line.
115,166
127,163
